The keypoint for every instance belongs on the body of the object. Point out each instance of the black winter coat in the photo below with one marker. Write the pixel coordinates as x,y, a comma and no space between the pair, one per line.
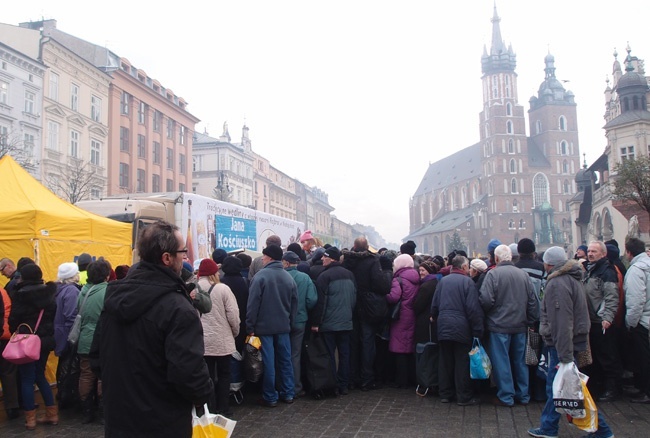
239,287
28,300
422,308
456,309
368,274
150,345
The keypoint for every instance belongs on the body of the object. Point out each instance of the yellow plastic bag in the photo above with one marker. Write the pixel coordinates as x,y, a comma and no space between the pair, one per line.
590,421
210,425
254,341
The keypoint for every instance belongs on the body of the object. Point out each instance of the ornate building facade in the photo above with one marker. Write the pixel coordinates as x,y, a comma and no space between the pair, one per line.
509,185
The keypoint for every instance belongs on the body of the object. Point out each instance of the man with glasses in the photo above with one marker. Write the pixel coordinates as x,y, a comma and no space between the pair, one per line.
8,269
149,341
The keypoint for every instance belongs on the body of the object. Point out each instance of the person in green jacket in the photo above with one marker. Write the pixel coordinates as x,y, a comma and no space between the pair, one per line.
90,305
307,298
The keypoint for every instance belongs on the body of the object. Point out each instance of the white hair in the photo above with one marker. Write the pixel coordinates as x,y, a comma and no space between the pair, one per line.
503,253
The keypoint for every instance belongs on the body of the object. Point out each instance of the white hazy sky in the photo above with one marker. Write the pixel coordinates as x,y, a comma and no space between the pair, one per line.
356,97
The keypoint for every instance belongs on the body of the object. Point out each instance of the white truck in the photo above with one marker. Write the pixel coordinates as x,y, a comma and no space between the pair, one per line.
205,223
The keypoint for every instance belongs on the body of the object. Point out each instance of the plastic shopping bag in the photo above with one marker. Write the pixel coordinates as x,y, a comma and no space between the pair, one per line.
480,366
253,365
210,425
568,397
590,422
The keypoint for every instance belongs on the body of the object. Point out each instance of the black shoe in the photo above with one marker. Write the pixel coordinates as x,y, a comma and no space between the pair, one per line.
608,396
287,401
267,404
470,402
631,391
370,386
445,400
643,398
300,394
13,413
343,391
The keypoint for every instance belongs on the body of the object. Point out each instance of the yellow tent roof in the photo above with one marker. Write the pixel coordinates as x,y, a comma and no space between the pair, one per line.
33,217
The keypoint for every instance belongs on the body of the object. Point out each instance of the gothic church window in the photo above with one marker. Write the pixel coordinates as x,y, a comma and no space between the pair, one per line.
562,123
564,148
538,127
513,186
508,109
513,166
565,167
566,187
495,87
540,189
511,146
509,127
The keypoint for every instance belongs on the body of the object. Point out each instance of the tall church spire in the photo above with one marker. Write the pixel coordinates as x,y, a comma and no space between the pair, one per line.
500,57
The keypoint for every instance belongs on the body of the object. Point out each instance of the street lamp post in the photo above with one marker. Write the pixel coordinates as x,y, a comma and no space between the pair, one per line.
222,189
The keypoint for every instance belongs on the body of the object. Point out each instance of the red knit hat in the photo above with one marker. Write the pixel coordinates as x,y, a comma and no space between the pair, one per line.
208,267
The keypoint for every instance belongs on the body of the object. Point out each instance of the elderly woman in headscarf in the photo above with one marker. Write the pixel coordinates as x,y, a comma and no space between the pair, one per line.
67,293
404,288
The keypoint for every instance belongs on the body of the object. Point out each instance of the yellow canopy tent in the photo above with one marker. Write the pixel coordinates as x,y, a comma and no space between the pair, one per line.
36,223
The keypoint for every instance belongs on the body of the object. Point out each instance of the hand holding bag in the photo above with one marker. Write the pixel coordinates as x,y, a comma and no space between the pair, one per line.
24,348
210,425
253,365
568,397
480,366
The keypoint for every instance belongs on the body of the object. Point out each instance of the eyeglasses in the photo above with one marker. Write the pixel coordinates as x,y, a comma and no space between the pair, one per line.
2,269
179,250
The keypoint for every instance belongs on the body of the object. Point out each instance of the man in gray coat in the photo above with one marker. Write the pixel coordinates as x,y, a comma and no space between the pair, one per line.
510,307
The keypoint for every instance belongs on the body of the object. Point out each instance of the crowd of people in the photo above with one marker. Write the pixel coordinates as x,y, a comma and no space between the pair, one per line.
167,336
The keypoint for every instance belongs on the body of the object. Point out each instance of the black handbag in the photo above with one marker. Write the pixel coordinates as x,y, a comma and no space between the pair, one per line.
397,307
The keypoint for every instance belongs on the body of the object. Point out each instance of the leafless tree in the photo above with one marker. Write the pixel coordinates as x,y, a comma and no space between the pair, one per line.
632,182
11,144
75,181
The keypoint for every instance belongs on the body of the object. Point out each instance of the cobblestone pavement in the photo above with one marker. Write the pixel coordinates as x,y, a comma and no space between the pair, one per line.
382,413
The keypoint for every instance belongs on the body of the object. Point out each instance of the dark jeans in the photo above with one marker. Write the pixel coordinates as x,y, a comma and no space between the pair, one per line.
219,368
339,341
453,371
641,344
363,352
34,372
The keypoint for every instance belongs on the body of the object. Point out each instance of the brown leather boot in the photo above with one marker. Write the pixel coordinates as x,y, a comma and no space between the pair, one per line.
51,416
30,419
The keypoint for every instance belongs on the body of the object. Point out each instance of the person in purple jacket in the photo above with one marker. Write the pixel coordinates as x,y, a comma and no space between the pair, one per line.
405,285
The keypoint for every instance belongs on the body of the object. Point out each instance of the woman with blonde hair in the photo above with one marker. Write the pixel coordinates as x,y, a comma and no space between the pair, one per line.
310,243
220,327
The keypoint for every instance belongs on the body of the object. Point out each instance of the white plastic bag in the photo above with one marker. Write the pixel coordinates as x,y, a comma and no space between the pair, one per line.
568,397
210,425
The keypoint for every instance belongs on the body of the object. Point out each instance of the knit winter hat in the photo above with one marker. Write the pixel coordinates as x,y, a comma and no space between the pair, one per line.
306,236
218,255
208,267
526,246
188,267
67,270
478,265
429,266
403,261
333,253
246,260
31,272
273,251
232,265
514,249
584,248
408,247
493,244
23,261
555,256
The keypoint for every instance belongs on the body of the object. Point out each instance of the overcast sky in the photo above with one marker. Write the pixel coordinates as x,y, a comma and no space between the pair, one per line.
357,97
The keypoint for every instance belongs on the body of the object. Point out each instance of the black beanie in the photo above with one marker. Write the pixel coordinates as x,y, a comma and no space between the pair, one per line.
526,246
31,272
232,265
408,248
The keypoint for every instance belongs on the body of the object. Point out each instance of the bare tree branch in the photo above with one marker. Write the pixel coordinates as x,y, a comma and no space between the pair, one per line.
75,182
632,182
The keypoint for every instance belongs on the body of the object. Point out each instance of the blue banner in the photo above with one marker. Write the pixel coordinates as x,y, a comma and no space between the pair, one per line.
236,233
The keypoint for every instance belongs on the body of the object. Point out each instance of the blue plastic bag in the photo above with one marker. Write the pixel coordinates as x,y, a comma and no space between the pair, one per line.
480,366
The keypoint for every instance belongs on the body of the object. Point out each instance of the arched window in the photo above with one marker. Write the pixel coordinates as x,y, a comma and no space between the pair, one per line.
511,224
509,127
522,224
490,188
495,86
564,148
508,109
513,186
565,167
513,166
515,208
511,146
566,187
540,190
489,169
562,123
474,193
538,127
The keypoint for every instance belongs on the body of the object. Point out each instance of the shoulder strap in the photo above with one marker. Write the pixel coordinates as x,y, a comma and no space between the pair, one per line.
211,287
83,303
40,315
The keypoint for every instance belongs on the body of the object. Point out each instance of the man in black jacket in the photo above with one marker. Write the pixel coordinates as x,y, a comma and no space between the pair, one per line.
150,344
373,285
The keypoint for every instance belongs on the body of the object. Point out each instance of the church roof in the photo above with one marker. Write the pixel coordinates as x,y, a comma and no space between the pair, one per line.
628,117
448,221
464,164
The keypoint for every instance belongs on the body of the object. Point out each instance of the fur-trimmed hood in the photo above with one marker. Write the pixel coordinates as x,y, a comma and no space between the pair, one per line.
570,267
